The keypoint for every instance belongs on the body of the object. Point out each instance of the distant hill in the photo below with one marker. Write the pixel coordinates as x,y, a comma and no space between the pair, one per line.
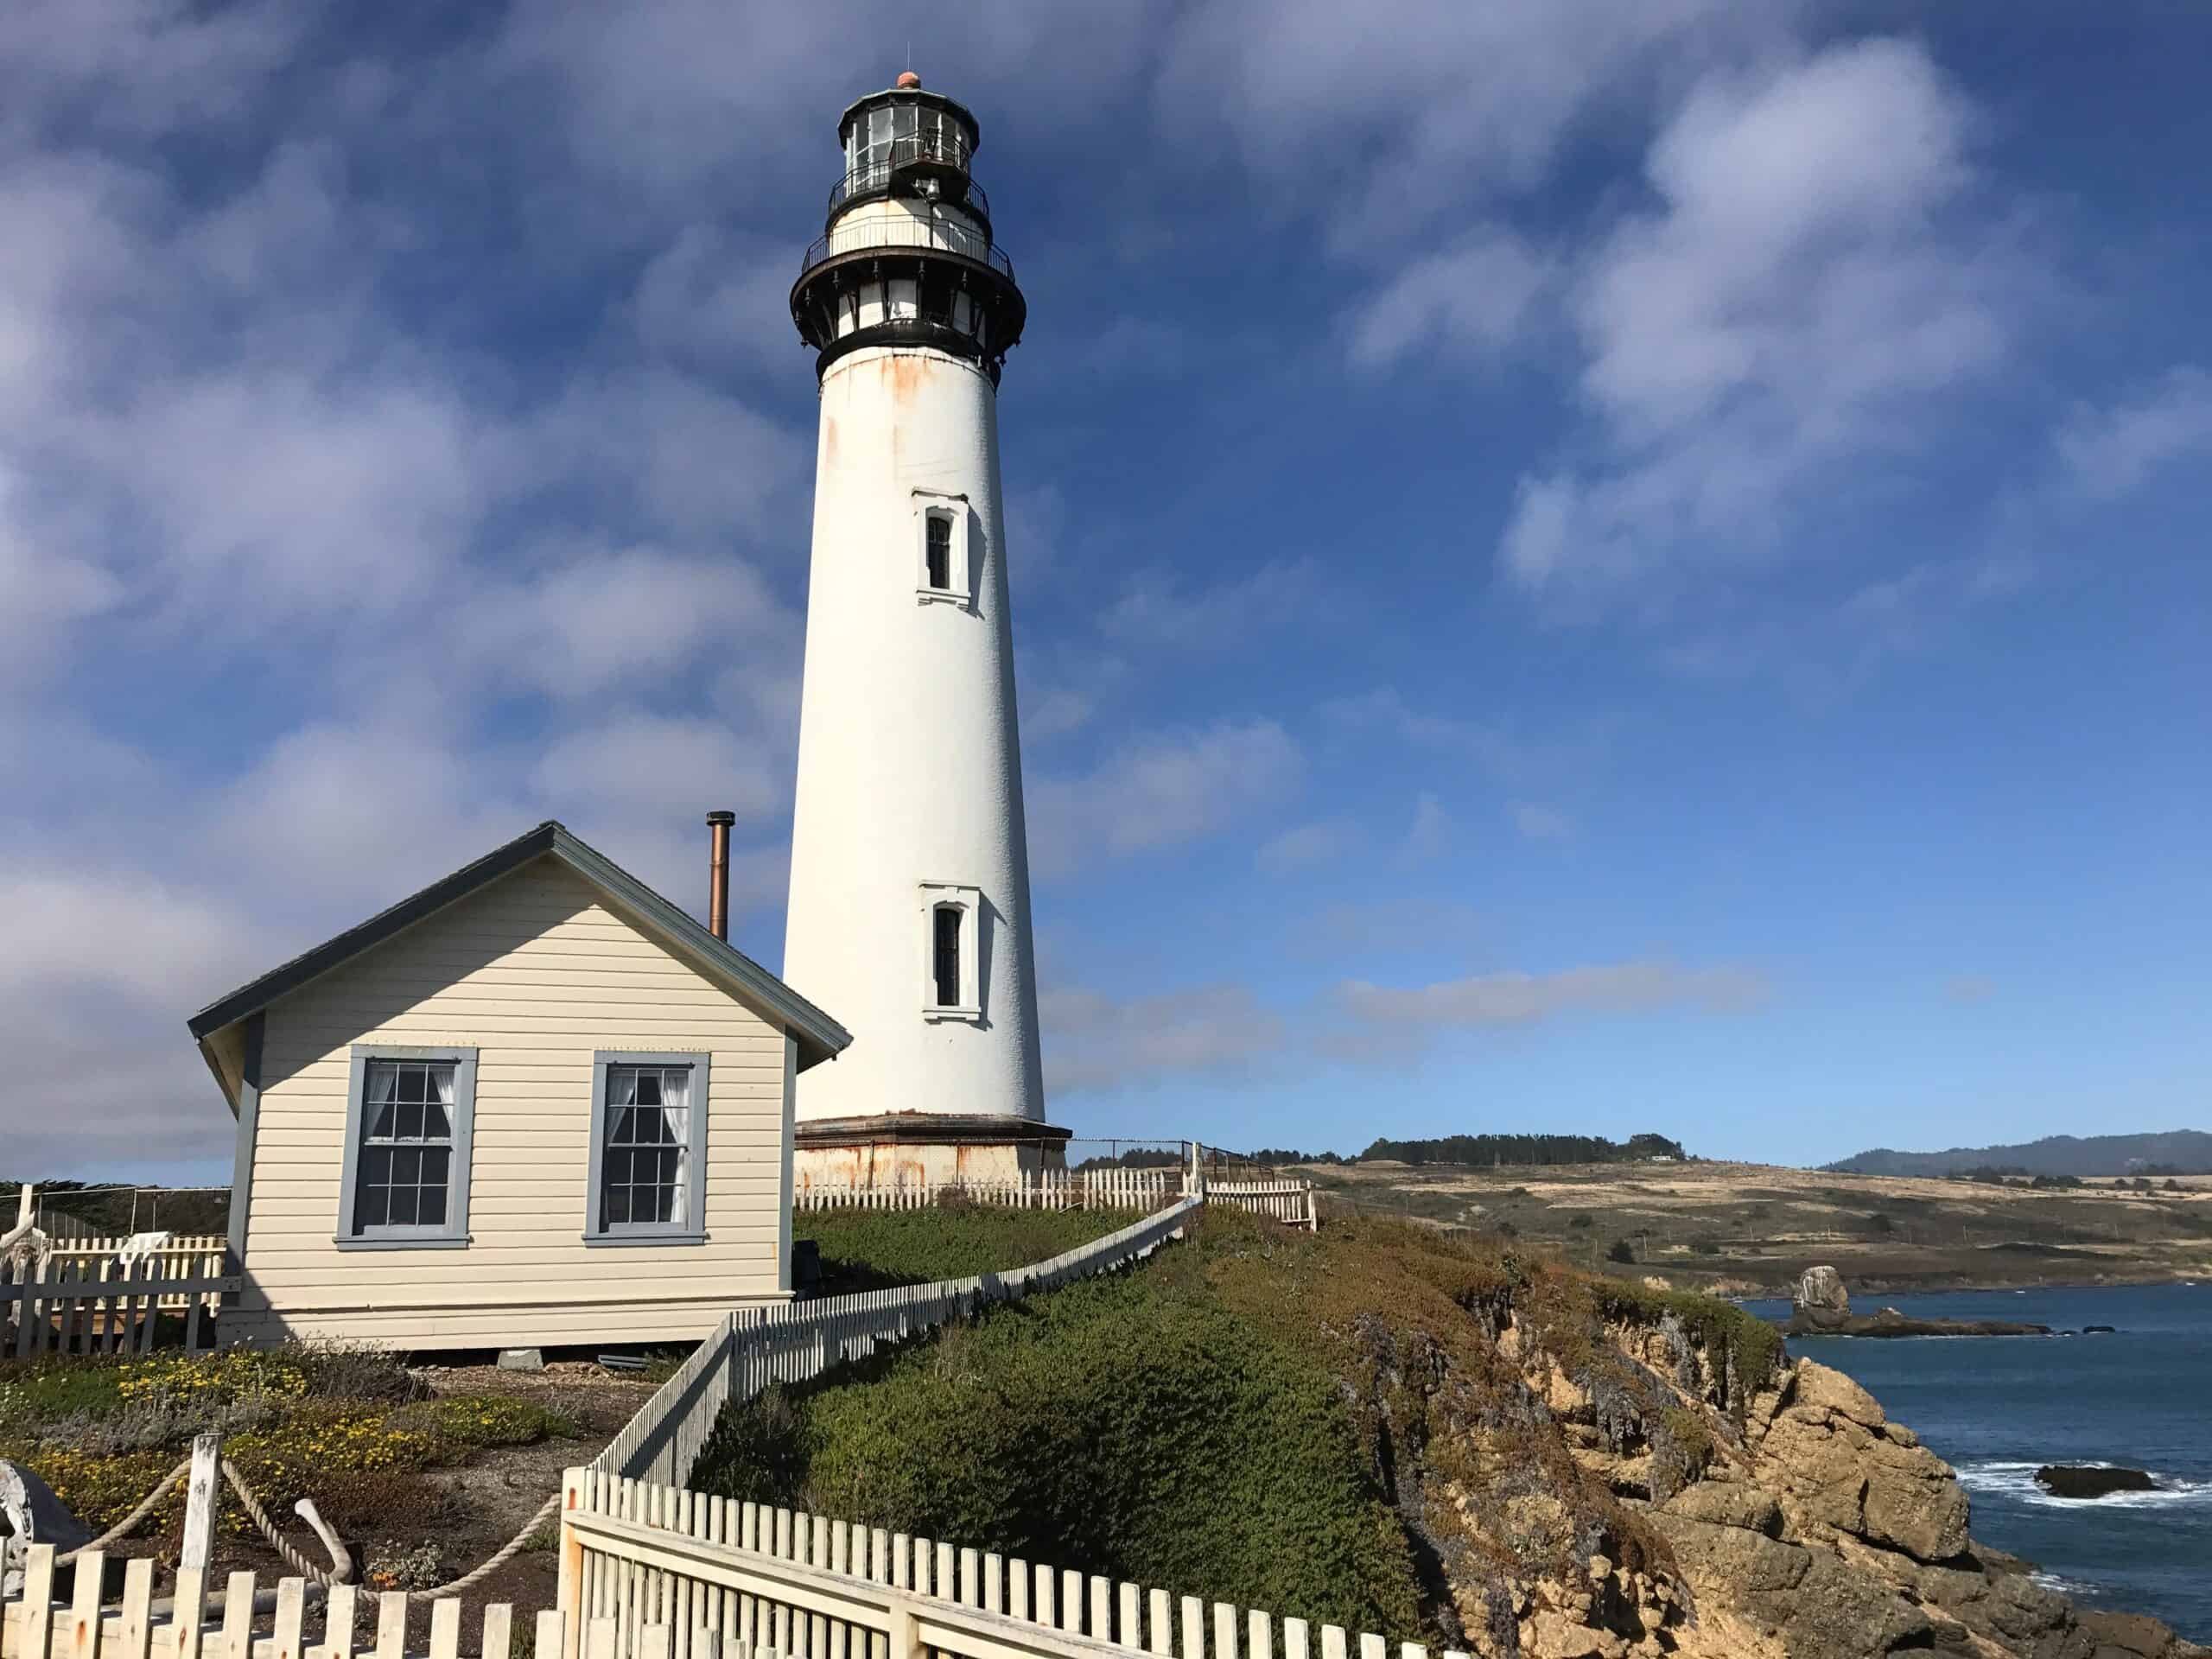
1494,1151
2174,1152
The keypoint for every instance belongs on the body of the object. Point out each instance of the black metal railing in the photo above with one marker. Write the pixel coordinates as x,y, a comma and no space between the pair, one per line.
883,163
865,235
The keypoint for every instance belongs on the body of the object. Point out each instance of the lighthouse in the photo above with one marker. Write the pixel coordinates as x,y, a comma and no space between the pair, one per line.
909,910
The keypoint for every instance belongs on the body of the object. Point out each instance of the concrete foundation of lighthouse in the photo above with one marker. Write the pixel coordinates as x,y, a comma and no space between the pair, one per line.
909,910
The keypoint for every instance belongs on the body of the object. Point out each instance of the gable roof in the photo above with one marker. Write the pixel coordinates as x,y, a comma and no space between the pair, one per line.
820,1038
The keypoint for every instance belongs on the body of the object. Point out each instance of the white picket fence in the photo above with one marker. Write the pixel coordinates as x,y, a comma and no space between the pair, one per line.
755,1346
39,1627
183,1256
1284,1199
651,1572
78,1304
1061,1189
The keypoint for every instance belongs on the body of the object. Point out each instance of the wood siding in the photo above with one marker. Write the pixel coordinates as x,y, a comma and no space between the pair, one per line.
537,974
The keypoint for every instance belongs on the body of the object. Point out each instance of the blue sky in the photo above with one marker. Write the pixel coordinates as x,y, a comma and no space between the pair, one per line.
1578,567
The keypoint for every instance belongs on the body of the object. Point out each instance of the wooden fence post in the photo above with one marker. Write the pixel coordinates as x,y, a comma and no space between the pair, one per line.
201,1493
568,1598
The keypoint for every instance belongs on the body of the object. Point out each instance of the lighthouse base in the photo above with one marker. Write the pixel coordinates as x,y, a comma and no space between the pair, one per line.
922,1148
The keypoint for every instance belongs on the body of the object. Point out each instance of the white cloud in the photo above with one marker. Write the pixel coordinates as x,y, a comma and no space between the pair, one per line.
1094,1042
634,616
1521,999
1162,790
1162,609
1538,822
1477,298
659,767
1819,274
1304,845
1431,834
2109,452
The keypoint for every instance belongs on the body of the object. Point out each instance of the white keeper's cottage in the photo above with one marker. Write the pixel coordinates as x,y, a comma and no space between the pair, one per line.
535,1104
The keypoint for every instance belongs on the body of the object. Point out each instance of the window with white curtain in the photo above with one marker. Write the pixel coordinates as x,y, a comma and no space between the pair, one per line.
648,1144
408,1120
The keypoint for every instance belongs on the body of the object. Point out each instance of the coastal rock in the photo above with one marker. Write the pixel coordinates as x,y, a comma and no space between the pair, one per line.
2073,1480
1821,1301
1812,1602
1830,1452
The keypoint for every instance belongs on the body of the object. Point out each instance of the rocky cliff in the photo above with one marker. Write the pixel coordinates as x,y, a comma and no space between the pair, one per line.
1814,1529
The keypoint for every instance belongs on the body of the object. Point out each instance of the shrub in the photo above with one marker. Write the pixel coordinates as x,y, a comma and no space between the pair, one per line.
1620,1251
1049,1429
1584,1220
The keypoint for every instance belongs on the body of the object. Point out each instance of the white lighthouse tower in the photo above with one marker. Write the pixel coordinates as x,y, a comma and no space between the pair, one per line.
910,863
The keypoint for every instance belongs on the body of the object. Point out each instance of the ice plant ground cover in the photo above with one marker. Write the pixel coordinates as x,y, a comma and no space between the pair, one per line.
353,1429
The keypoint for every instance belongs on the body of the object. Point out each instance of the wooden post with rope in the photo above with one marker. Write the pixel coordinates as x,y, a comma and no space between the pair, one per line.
202,1491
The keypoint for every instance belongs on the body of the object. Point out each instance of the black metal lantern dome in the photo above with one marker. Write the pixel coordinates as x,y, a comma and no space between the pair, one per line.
906,255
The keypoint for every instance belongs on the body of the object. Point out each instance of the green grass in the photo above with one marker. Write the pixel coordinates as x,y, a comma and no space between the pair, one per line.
870,1250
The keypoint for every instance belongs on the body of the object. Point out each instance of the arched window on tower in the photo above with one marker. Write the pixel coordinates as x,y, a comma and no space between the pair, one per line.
952,964
941,555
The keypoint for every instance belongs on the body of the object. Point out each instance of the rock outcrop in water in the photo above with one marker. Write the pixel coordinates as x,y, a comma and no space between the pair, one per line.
1822,1302
2092,1480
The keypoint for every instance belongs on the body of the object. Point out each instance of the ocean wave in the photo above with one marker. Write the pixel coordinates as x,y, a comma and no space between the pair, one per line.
2017,1481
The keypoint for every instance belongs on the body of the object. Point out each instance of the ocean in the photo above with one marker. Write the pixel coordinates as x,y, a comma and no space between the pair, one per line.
1997,1408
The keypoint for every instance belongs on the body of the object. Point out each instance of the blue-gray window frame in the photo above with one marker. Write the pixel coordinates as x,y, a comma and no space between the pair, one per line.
452,1234
694,1232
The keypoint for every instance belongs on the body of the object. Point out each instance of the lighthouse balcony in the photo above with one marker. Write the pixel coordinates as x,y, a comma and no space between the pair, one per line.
895,228
924,167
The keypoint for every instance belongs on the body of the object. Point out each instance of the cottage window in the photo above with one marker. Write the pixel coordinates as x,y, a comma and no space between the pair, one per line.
648,1148
951,973
409,1121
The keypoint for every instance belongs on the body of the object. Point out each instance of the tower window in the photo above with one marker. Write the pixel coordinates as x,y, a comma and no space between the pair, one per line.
939,553
943,570
947,955
952,919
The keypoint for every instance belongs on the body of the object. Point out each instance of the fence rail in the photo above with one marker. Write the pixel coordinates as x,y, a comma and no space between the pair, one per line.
39,1627
657,1573
100,1306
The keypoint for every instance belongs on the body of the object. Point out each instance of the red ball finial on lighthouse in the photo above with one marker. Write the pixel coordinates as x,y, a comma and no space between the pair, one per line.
909,79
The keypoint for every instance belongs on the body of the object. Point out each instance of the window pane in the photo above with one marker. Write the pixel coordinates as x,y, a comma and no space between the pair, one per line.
947,956
648,1088
902,121
437,1161
618,1166
618,1205
376,1165
410,1085
406,1166
410,1119
621,1134
402,1206
434,1206
663,1201
940,550
371,1207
